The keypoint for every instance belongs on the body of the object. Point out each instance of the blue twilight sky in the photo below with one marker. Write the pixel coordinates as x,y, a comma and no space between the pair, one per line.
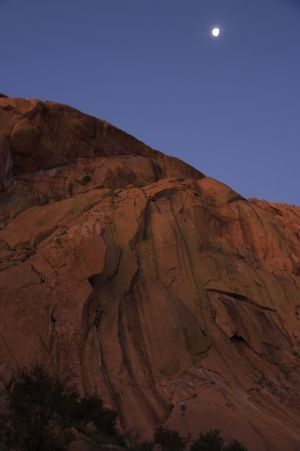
228,106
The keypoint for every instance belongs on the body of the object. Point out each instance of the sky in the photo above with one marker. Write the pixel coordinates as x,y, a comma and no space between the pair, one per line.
228,106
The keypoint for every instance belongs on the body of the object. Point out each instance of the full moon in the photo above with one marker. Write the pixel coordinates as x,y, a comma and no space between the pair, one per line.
215,32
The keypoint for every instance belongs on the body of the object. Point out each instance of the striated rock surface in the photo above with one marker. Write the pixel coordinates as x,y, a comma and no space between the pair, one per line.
169,294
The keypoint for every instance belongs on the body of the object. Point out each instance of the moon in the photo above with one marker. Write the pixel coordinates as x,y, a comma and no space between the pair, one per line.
215,32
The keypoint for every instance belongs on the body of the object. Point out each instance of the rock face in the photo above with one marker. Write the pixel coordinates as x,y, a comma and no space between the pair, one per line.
163,290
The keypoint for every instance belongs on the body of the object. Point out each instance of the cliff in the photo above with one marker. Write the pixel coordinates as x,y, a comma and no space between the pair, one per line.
163,290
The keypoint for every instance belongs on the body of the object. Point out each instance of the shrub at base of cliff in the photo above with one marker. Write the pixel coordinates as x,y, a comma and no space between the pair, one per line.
41,410
169,440
235,446
144,446
212,441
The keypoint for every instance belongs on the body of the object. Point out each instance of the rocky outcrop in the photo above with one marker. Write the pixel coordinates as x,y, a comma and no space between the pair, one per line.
163,290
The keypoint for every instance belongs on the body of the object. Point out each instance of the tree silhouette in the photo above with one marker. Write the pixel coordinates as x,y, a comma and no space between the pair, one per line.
235,446
211,441
41,409
144,446
169,440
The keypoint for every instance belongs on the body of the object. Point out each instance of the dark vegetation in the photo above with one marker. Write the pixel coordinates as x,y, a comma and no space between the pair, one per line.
169,440
213,441
42,413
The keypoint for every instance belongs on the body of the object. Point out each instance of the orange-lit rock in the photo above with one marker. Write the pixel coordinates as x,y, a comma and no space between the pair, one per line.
169,294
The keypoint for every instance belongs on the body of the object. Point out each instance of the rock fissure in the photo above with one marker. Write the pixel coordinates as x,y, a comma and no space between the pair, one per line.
241,298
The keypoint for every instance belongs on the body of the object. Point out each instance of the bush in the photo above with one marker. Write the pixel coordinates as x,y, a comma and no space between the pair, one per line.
235,446
41,409
211,441
169,440
90,408
144,446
